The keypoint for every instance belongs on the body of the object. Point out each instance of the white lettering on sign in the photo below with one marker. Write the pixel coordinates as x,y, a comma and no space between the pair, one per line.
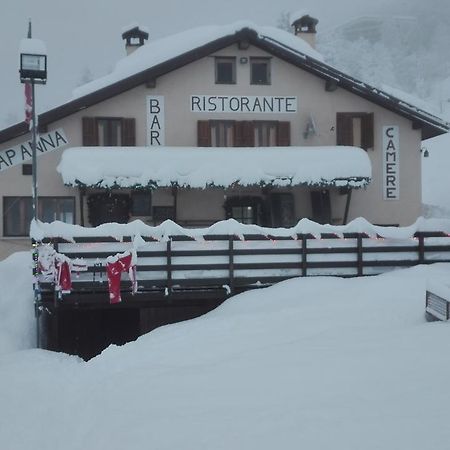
243,104
155,120
20,153
391,163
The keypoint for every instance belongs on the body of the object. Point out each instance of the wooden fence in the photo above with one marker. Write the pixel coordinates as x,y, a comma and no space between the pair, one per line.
233,264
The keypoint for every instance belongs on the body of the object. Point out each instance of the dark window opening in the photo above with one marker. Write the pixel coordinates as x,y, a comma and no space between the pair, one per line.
321,206
141,203
27,169
282,209
18,212
355,129
225,70
259,70
106,207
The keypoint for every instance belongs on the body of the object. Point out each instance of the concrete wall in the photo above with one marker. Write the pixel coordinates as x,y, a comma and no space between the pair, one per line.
181,130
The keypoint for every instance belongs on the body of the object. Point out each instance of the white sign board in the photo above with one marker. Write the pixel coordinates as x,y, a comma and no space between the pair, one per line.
155,121
243,104
46,142
391,163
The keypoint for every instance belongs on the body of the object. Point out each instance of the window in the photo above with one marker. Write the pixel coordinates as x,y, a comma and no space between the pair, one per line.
259,71
321,206
282,209
141,203
225,70
222,133
108,131
245,209
355,129
217,133
265,134
18,212
27,169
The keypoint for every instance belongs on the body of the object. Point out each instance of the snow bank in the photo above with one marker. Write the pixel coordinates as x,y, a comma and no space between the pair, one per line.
316,363
17,323
199,167
40,230
161,50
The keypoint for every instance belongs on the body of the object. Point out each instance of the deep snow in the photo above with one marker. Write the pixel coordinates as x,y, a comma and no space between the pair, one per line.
316,363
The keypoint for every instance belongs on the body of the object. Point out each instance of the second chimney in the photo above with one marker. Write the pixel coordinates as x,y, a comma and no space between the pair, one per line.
134,37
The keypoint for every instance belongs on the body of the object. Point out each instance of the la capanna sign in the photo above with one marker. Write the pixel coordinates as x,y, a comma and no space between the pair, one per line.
18,154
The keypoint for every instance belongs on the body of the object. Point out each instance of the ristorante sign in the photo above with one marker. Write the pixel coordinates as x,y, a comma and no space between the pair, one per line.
20,153
243,104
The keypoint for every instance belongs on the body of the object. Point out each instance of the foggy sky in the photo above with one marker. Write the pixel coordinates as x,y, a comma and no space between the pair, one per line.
83,35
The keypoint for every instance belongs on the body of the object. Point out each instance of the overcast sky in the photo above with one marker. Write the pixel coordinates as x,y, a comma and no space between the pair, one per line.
84,35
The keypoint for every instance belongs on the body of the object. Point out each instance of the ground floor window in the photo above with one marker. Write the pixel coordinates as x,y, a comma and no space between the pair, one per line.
108,207
18,212
245,209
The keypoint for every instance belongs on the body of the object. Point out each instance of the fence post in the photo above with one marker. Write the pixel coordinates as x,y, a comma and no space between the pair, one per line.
231,263
169,266
421,248
304,254
359,257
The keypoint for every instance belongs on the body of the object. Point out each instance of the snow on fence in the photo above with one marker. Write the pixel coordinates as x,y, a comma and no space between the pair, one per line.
238,261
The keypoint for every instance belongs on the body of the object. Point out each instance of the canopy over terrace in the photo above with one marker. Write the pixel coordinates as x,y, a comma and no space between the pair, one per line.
194,167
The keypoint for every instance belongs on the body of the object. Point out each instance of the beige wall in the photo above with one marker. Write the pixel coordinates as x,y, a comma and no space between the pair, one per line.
181,130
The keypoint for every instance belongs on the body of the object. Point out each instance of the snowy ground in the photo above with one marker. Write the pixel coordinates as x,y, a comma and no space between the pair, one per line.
322,363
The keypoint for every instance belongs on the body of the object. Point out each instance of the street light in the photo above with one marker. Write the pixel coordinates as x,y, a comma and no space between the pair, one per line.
33,70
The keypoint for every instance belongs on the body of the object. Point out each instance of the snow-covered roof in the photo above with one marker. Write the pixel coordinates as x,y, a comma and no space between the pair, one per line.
32,46
161,50
200,167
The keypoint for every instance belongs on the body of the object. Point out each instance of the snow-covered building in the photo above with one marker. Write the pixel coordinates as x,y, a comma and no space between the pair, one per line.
293,138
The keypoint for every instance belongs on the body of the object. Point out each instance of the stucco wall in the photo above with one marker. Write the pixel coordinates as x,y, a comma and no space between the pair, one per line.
181,130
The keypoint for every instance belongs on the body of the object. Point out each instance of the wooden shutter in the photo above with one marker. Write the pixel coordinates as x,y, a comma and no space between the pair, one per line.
248,134
238,134
367,131
90,131
284,134
129,132
344,129
203,133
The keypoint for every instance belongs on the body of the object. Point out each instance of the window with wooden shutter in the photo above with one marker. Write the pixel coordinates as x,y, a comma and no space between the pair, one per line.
89,130
109,131
203,133
284,134
354,129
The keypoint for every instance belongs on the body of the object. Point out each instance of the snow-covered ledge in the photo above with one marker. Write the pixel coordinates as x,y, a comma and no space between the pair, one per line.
200,167
40,230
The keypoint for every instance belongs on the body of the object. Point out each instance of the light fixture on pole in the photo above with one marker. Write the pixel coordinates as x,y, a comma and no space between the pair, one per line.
33,70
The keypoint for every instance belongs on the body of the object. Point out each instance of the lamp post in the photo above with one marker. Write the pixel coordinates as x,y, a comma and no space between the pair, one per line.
33,70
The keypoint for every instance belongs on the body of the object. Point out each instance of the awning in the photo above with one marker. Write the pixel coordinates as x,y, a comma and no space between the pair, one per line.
200,167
